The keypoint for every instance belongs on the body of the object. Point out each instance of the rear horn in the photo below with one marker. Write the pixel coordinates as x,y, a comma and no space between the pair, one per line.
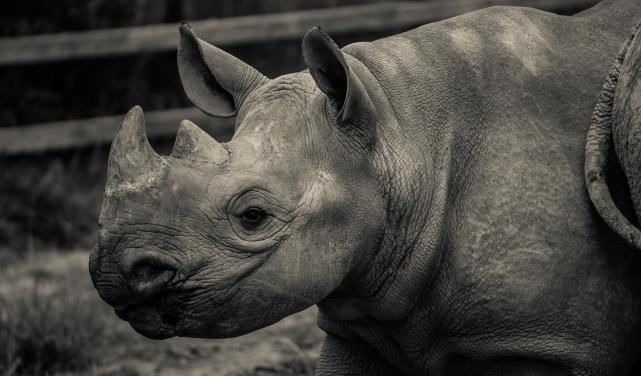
194,143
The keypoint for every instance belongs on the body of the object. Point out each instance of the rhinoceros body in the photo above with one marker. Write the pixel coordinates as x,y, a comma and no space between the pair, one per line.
426,190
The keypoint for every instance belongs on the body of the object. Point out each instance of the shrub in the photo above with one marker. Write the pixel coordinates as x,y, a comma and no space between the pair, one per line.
48,330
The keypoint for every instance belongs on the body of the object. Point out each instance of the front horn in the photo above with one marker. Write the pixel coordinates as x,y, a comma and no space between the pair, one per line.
131,155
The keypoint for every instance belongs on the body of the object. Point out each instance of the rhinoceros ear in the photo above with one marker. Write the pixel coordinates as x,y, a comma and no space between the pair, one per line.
343,88
215,81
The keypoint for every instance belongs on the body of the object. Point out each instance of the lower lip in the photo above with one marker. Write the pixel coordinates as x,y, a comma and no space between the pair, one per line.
125,313
137,312
147,320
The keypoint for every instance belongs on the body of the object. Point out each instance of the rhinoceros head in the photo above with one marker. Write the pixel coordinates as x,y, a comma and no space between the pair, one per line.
218,239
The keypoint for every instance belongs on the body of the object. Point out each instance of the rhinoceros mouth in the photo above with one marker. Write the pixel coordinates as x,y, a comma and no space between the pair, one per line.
157,321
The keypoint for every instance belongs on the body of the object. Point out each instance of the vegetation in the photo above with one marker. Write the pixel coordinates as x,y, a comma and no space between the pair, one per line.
50,319
40,333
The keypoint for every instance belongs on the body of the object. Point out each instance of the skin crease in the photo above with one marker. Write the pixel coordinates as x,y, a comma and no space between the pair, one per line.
450,234
626,126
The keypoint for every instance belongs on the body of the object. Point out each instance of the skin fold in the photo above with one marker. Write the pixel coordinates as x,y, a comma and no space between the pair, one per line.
615,125
425,190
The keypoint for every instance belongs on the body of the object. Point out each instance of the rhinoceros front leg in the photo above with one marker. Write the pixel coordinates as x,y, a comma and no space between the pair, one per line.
354,358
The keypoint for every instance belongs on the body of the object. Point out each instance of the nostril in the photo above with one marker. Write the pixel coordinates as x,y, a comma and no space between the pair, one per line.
148,273
147,279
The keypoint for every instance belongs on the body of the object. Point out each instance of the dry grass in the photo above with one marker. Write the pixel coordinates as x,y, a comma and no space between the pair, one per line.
41,336
48,321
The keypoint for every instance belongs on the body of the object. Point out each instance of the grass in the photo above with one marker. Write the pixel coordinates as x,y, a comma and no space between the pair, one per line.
41,336
48,321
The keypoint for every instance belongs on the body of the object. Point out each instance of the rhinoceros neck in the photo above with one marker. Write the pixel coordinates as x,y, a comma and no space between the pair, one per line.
412,171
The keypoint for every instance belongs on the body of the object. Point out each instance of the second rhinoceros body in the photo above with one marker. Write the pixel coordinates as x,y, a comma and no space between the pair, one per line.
425,190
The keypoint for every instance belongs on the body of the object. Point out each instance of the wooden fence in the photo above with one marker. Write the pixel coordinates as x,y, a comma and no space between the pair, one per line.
74,133
222,32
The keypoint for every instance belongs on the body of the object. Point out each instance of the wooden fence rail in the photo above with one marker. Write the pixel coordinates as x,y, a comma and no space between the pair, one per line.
222,32
100,130
249,29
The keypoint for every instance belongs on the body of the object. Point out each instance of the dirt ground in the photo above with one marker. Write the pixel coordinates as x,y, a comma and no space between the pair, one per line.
53,322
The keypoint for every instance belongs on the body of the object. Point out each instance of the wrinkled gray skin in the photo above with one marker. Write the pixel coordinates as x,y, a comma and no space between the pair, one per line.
627,120
616,122
425,190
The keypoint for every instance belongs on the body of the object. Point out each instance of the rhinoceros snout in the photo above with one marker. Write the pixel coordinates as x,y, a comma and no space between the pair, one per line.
132,279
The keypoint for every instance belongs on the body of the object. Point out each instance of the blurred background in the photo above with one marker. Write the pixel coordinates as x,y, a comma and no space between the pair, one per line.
69,70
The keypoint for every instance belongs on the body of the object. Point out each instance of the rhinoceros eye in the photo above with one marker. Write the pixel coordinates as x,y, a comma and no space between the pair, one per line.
252,218
255,215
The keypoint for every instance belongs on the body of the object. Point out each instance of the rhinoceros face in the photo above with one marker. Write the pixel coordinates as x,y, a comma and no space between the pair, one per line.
216,240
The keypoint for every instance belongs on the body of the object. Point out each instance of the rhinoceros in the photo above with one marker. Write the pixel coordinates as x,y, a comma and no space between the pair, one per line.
426,191
616,124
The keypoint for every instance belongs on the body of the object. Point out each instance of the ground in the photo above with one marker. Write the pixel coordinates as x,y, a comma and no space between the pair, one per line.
53,322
